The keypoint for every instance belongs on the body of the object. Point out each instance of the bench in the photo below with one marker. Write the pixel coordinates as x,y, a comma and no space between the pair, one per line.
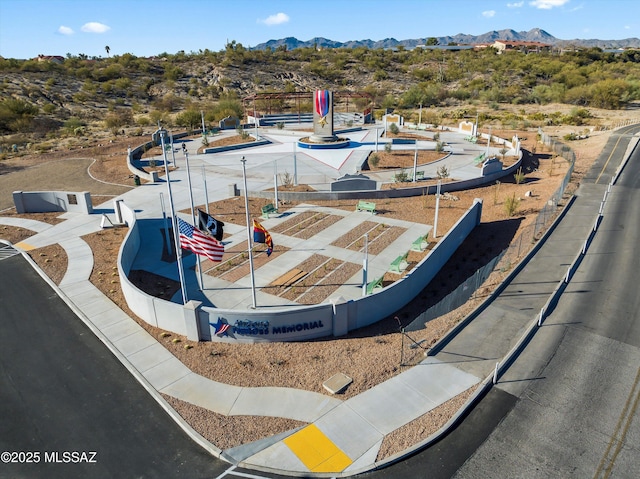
478,159
289,278
420,244
266,210
375,284
419,175
366,206
399,264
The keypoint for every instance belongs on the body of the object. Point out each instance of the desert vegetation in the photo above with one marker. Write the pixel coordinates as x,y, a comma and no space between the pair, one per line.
82,98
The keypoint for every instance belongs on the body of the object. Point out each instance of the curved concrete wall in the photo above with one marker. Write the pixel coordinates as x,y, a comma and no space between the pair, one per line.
292,323
155,311
372,308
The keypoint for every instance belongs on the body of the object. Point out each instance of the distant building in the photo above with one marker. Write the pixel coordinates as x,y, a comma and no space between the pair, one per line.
524,47
50,58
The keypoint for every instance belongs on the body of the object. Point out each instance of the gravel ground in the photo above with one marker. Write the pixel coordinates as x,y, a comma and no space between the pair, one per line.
307,365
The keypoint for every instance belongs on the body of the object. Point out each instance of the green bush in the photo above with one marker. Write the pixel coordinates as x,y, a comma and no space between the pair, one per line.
511,205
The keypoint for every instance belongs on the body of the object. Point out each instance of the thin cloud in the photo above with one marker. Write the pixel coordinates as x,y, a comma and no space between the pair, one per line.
515,5
95,27
65,30
489,13
548,4
277,19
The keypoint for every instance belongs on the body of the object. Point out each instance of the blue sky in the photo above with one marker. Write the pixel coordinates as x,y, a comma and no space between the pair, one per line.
151,27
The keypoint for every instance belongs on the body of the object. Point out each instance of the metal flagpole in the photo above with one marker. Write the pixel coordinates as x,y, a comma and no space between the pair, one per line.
435,221
174,222
365,264
246,208
275,181
206,193
255,120
193,215
415,161
166,223
295,166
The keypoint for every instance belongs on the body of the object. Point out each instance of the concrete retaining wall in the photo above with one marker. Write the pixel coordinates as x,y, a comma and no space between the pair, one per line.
155,311
48,201
372,308
292,323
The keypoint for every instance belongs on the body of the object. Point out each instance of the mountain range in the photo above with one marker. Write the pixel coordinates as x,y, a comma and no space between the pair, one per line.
533,35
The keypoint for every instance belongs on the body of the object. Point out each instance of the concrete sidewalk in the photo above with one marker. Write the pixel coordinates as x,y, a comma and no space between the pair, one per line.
342,437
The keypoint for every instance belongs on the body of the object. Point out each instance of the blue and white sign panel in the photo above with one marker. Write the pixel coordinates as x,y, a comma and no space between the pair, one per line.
267,325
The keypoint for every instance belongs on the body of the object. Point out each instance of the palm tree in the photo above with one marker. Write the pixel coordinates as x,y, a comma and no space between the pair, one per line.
107,49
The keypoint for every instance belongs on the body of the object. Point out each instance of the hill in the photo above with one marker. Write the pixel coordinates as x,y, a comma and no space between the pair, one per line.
82,97
533,35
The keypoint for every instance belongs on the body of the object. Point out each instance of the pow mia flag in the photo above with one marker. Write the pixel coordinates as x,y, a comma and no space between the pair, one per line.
209,224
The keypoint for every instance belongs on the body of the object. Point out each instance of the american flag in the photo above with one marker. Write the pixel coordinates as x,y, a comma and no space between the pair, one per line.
222,329
198,242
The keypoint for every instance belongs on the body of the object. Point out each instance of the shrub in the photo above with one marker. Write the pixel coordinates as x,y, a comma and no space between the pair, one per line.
401,177
387,147
374,160
519,176
443,172
393,128
511,205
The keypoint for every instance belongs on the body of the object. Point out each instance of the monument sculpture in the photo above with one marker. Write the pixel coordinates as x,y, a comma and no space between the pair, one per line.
323,135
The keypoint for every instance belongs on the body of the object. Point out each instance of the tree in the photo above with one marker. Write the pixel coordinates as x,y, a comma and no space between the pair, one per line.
189,119
107,49
432,41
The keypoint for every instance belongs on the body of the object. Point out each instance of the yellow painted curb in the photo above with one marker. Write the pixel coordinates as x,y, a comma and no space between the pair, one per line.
316,451
24,246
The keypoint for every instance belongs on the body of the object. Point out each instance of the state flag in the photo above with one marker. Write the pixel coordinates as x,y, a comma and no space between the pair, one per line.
261,235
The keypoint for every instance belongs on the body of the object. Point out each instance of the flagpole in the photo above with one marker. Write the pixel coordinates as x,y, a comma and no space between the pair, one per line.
166,224
435,221
365,264
246,208
275,181
206,194
193,216
174,222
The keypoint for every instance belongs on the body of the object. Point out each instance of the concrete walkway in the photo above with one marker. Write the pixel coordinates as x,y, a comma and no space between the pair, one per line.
341,436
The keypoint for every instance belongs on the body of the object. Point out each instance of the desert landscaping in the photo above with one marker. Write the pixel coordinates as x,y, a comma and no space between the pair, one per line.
369,356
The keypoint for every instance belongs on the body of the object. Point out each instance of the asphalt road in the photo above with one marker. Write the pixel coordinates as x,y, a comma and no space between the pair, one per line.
566,408
61,390
577,383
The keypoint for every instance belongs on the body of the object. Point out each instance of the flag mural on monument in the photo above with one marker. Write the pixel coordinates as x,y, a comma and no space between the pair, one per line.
322,105
261,235
198,242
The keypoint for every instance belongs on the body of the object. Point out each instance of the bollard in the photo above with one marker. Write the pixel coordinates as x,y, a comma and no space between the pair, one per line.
540,317
495,374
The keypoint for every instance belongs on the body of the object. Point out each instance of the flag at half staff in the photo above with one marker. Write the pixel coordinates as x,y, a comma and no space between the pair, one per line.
194,240
261,235
209,224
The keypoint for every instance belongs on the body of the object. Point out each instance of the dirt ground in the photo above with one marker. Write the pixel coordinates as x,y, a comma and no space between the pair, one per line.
381,347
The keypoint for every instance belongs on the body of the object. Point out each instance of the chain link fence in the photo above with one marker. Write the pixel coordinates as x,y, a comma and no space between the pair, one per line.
510,256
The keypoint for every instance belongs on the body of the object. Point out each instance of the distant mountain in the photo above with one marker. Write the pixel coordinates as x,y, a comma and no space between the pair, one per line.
533,35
